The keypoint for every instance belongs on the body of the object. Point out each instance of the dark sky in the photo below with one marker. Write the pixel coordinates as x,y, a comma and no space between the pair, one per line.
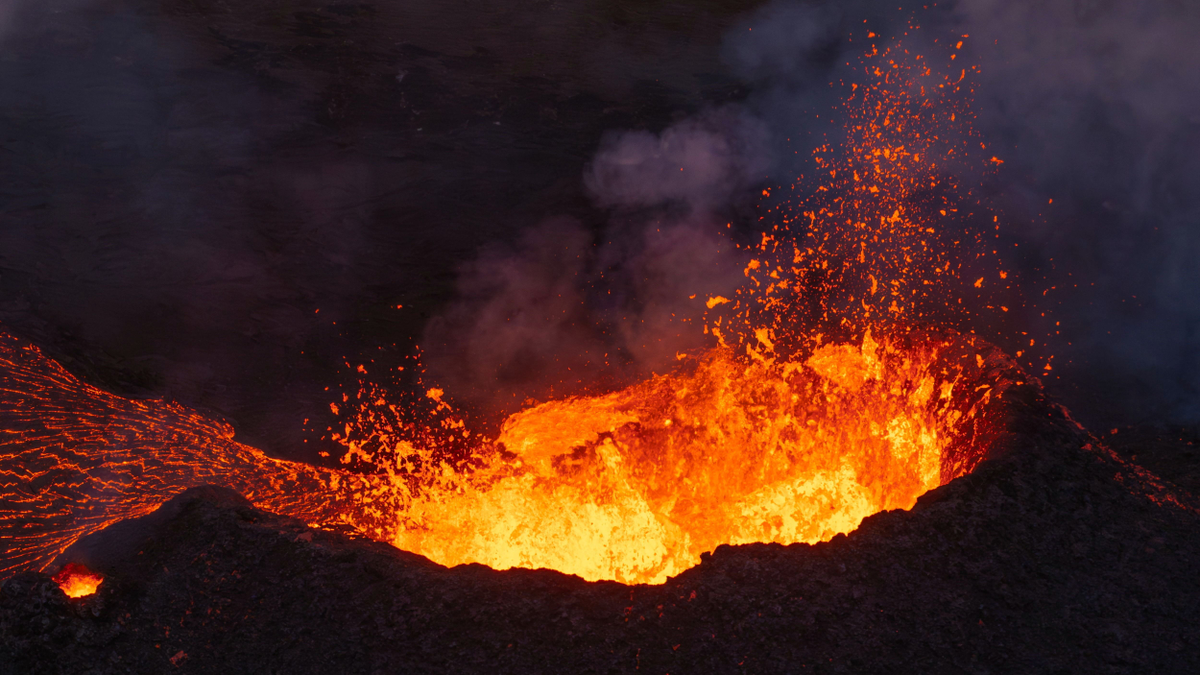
187,182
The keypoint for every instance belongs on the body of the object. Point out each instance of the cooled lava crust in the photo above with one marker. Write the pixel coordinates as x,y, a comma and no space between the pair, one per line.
1054,555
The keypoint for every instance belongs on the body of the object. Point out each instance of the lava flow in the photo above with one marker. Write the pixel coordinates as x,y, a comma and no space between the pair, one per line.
831,395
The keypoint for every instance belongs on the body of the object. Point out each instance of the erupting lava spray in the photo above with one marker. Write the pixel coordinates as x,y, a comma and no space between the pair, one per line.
827,397
821,405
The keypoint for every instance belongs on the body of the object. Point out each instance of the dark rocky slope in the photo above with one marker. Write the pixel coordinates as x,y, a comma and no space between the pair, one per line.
1054,556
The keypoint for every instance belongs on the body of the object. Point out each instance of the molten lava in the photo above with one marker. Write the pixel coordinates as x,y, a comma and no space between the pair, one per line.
778,434
636,484
825,401
77,581
74,458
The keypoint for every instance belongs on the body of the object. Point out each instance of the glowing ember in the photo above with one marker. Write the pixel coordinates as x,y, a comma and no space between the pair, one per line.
77,581
880,243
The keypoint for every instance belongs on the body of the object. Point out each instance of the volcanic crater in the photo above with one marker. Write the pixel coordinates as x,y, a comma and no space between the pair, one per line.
835,473
1054,554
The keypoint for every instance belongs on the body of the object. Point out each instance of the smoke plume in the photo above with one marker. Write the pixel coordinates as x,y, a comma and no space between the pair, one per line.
1095,109
567,308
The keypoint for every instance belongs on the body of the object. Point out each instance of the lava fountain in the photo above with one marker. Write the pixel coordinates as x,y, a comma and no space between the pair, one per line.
636,484
798,425
830,394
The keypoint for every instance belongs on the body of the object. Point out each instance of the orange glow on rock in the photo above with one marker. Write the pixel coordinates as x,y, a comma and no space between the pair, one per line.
77,581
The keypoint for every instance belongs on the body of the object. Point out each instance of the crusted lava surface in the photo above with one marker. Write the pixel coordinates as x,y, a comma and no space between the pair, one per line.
1055,555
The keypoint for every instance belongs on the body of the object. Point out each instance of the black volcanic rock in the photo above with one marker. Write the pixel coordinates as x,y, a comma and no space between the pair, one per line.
1053,556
